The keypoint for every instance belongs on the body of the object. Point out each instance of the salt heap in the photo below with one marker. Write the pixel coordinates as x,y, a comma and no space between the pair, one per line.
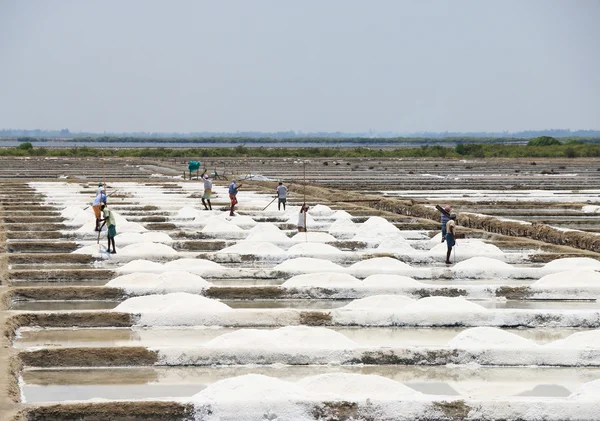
482,267
572,263
314,249
313,237
197,266
92,250
323,280
243,221
395,244
218,225
587,339
342,226
320,210
350,386
489,337
308,265
378,265
71,212
590,209
589,390
391,281
140,265
470,248
293,219
171,303
147,249
187,212
146,237
283,338
341,215
569,279
380,302
375,227
266,231
444,304
173,281
257,248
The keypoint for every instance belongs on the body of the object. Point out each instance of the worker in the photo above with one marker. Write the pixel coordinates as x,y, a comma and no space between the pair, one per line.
98,200
233,191
207,191
444,220
109,218
450,236
281,195
302,218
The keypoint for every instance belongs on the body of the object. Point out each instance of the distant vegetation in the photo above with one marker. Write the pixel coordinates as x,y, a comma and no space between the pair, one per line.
470,150
543,141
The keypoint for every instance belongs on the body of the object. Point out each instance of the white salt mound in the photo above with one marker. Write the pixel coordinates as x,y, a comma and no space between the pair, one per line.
72,211
197,266
356,386
320,210
476,267
569,279
293,219
313,249
342,226
269,236
91,250
172,280
147,249
489,337
573,263
146,237
444,304
313,237
588,339
285,337
308,265
469,247
187,212
590,209
254,388
378,265
217,225
262,227
258,248
391,281
341,215
171,303
239,220
323,279
397,244
380,302
589,390
141,265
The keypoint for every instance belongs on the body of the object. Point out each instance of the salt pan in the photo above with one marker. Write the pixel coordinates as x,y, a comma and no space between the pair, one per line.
171,303
323,280
380,302
489,337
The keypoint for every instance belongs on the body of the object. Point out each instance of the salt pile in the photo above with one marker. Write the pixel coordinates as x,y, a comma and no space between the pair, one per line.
587,339
378,265
239,220
470,248
349,386
396,244
342,226
590,209
141,265
197,266
308,265
482,267
323,280
489,337
589,390
217,225
313,237
341,215
146,237
187,212
314,249
266,231
285,337
375,227
320,210
569,279
147,249
72,211
293,219
92,250
391,281
380,302
174,281
572,263
444,304
171,303
257,248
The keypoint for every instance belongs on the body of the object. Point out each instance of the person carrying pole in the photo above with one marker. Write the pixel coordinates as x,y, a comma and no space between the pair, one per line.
302,218
112,227
233,191
281,195
450,236
445,217
208,184
98,200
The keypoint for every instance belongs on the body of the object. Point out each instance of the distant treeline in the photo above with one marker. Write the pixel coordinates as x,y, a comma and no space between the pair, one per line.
326,140
571,149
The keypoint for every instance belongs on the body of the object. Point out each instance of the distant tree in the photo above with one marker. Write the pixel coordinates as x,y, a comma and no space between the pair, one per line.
26,146
543,141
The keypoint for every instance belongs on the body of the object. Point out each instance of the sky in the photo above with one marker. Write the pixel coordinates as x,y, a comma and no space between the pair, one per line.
310,65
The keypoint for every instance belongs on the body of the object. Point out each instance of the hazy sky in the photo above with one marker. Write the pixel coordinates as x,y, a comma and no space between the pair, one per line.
310,65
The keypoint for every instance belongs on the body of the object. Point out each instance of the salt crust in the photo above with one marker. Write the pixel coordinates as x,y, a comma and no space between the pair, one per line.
391,281
252,247
569,279
589,339
282,338
590,209
175,302
313,249
320,210
147,249
324,280
375,302
171,280
356,386
573,263
313,237
444,304
489,337
217,225
197,266
308,265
